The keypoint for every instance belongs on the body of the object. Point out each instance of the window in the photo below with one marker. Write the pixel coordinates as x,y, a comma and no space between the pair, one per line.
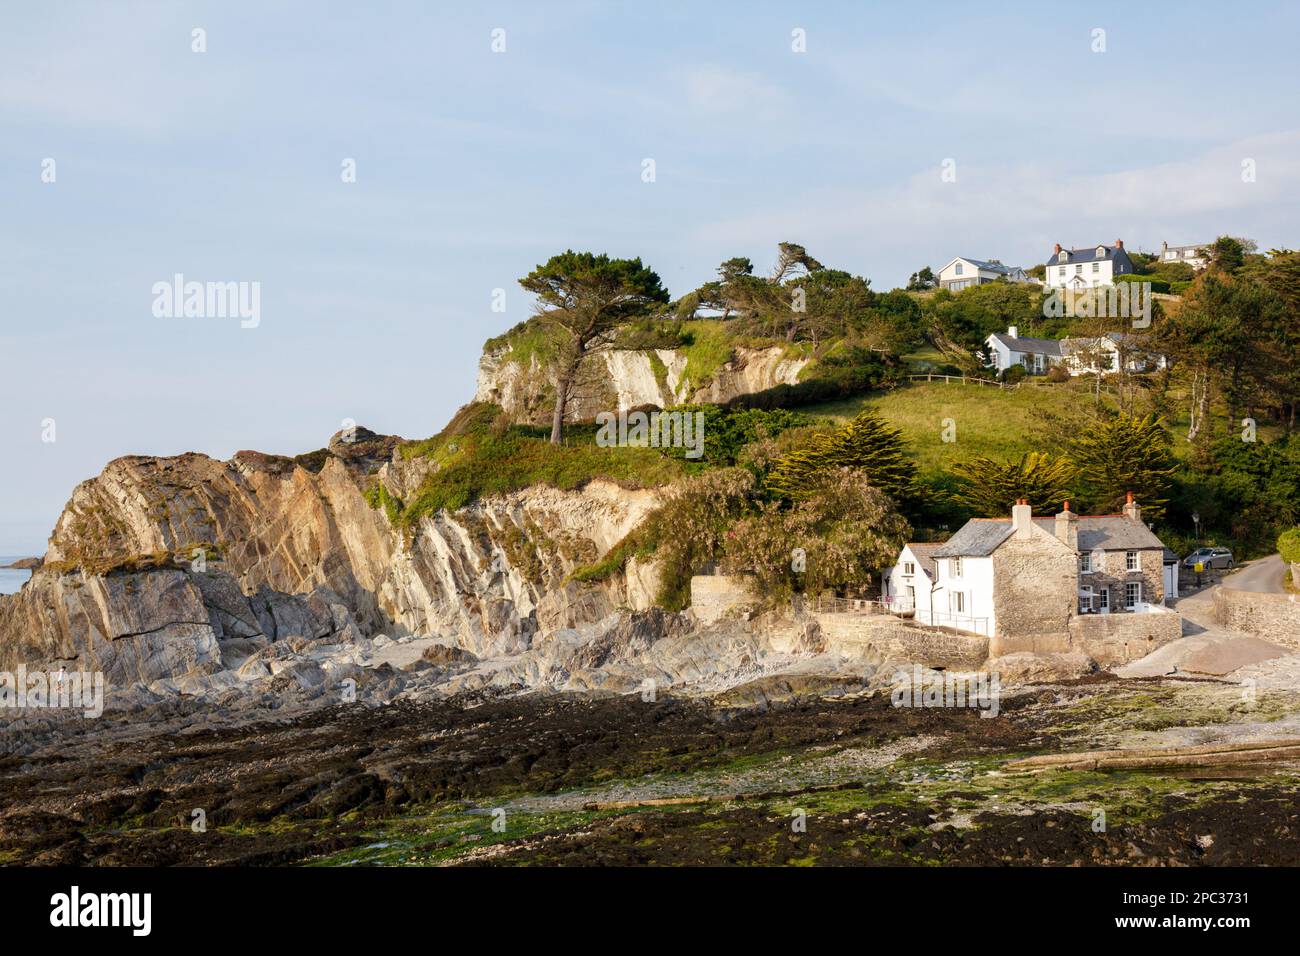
1171,254
1062,256
956,567
909,569
1131,562
1101,252
1132,594
1103,599
1096,267
958,602
957,271
1078,269
1062,272
1086,599
1085,564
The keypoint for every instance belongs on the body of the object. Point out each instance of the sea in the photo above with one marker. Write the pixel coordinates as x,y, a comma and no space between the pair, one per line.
11,579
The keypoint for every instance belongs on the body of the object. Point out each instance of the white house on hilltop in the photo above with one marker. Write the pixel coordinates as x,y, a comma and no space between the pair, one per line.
1086,268
1195,256
961,273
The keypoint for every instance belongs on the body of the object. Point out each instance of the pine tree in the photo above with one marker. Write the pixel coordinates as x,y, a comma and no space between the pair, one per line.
1125,453
866,444
990,487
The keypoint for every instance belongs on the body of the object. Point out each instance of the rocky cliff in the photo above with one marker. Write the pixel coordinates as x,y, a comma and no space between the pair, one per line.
614,379
158,561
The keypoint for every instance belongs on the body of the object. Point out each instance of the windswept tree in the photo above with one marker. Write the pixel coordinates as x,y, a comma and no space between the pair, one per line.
1116,454
583,296
990,488
866,444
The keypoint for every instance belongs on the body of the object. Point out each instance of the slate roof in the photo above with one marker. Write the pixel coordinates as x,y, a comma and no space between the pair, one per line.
1032,346
924,551
980,537
1087,254
977,538
988,266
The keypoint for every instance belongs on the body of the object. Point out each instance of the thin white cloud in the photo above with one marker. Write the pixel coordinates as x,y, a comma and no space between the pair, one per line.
997,202
718,90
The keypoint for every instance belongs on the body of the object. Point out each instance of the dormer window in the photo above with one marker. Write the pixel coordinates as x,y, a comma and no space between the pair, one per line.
1063,256
1101,252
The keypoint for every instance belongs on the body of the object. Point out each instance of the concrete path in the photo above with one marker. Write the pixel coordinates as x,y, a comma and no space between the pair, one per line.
1263,576
1207,648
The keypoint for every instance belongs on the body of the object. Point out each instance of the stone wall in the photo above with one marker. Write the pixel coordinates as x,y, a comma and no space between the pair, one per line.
1035,592
1117,638
713,595
895,640
1274,617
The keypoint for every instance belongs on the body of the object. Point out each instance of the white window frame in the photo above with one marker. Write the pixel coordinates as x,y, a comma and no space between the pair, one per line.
957,602
1087,598
1130,587
1132,561
1096,267
1103,600
1085,563
955,566
956,269
909,569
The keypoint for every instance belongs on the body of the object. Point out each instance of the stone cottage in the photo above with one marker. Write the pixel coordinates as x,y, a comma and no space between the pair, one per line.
1069,582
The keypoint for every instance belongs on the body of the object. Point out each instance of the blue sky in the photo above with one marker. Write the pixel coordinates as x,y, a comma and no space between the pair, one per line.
472,166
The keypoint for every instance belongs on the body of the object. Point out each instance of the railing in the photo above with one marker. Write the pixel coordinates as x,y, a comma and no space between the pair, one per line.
902,608
956,622
963,379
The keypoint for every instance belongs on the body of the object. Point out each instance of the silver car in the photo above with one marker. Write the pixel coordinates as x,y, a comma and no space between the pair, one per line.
1220,558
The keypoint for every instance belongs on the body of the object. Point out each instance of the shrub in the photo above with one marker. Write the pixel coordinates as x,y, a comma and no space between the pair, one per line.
1013,374
1058,373
1157,285
1288,544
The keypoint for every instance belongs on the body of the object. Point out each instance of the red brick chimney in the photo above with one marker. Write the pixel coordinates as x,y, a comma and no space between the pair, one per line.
1131,508
1119,243
1058,247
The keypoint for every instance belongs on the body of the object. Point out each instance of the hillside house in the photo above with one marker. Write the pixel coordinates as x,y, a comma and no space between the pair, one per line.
1087,268
1080,356
1020,578
911,581
1196,256
1008,349
961,273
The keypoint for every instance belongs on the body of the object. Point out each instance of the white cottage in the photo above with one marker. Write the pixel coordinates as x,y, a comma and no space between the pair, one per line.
1000,576
1086,268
